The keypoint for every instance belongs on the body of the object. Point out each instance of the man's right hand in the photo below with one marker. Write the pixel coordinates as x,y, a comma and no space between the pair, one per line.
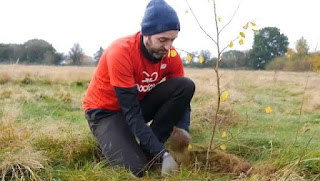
168,164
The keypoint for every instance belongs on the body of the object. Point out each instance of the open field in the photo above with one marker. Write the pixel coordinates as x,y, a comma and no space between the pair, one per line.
44,135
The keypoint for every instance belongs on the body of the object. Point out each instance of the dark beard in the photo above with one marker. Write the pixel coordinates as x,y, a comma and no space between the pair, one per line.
146,53
156,55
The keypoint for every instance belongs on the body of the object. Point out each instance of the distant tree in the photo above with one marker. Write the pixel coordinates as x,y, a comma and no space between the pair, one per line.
38,51
207,58
234,59
58,57
18,52
5,53
76,54
34,51
302,46
98,54
48,58
268,44
206,54
316,61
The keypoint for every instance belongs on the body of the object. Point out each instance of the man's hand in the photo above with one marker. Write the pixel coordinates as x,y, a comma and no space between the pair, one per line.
180,140
168,164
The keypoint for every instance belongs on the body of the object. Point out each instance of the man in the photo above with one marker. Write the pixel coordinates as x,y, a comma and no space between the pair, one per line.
127,91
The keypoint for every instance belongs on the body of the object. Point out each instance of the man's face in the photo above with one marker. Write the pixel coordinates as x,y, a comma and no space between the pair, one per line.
158,44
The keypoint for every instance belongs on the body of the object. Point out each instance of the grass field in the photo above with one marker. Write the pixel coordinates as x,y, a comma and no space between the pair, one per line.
44,135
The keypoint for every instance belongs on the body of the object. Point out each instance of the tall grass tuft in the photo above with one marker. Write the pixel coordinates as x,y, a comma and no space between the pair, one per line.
21,164
19,160
4,77
66,145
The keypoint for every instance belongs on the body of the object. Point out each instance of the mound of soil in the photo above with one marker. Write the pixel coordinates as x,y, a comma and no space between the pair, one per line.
219,161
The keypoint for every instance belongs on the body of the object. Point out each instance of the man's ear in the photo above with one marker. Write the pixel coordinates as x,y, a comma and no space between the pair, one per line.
145,37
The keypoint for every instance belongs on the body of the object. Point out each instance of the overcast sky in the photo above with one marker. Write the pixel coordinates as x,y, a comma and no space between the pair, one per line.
95,23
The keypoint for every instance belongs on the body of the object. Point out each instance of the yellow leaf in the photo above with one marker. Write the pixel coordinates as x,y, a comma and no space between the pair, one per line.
173,53
219,19
223,135
253,24
241,41
223,147
201,59
242,35
189,147
186,12
253,178
209,0
255,31
231,44
246,26
189,58
268,110
224,95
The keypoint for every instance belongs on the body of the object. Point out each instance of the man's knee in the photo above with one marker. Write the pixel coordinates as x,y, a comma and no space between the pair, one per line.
190,86
187,85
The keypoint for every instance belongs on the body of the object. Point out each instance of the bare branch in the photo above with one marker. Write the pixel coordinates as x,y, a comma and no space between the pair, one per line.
200,24
230,19
216,69
185,51
216,21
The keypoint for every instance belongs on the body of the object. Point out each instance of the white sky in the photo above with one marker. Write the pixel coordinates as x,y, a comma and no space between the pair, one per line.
95,23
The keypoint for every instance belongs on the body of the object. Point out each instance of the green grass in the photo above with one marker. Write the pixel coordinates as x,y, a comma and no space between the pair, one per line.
44,133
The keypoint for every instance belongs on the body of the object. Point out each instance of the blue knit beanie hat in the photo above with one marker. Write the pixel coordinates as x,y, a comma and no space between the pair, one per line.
159,17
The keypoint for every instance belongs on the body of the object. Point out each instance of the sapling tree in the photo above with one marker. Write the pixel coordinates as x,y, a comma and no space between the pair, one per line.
219,48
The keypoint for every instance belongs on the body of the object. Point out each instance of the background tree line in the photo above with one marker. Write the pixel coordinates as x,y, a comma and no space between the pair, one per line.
37,51
269,52
34,51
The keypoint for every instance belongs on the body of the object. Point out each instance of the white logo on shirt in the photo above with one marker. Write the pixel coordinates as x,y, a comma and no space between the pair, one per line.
149,79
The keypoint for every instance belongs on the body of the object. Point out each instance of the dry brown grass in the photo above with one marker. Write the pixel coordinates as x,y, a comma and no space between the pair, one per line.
204,80
307,83
50,73
14,93
4,77
205,95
